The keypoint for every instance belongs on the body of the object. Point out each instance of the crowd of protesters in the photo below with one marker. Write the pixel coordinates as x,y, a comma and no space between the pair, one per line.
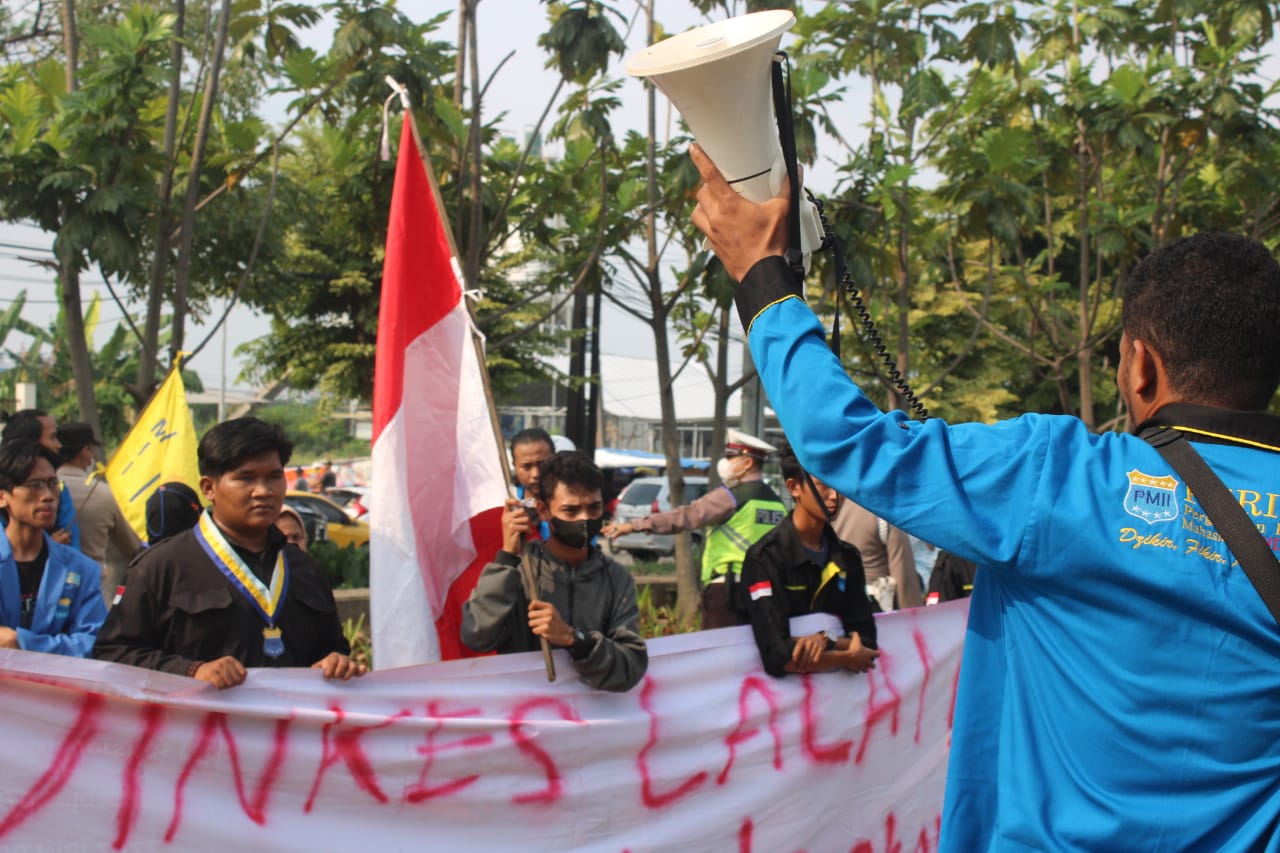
1079,634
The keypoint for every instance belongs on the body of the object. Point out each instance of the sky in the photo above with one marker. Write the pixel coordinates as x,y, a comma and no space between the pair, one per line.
504,26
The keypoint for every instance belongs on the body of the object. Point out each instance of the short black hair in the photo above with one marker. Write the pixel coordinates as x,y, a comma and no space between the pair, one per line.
18,459
1210,306
532,435
230,443
25,424
75,437
791,467
571,467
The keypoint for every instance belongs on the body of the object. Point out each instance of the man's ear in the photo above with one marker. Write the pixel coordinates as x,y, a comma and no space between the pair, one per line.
1146,370
206,488
544,511
794,488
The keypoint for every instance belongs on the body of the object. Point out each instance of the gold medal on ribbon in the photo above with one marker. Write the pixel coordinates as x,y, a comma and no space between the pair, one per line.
266,600
272,645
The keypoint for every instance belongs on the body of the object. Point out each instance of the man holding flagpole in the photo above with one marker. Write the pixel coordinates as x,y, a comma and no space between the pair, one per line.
230,593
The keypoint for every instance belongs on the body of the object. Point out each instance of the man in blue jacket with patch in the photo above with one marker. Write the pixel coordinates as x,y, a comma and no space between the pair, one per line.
1120,687
50,594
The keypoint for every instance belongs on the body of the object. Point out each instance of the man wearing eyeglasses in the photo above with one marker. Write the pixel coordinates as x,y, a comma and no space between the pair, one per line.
50,593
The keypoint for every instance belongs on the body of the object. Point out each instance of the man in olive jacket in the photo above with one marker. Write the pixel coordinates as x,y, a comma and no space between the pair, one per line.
585,602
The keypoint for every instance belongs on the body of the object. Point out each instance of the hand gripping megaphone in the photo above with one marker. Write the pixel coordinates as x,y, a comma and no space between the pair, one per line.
718,77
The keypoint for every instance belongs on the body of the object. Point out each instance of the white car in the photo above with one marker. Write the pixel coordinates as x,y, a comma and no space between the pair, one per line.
645,496
354,500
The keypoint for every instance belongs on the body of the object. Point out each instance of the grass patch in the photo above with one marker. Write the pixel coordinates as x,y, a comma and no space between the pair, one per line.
659,621
657,568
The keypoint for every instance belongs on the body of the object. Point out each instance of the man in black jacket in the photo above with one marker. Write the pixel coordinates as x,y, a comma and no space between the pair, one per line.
230,593
801,567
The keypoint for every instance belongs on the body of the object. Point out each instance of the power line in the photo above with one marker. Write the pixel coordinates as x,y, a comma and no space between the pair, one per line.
22,248
26,279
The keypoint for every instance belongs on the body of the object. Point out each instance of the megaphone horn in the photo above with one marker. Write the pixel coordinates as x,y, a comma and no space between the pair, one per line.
718,78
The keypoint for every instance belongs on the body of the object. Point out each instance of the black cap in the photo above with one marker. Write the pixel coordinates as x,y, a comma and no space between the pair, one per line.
75,437
171,509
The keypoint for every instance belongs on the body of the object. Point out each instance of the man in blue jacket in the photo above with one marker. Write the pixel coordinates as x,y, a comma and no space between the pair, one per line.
1120,687
50,594
40,426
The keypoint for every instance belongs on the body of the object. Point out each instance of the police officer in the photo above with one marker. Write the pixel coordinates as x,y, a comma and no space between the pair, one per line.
736,515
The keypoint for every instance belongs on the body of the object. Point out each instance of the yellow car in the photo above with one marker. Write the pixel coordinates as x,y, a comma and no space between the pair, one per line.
343,529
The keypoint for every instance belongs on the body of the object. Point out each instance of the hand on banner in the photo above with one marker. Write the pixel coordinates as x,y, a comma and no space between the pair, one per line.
338,666
808,651
222,673
741,232
859,658
515,526
8,638
545,621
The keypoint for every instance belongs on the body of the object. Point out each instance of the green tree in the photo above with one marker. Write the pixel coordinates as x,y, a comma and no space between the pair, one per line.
76,158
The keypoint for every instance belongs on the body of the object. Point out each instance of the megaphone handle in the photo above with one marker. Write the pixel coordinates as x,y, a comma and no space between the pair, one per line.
787,138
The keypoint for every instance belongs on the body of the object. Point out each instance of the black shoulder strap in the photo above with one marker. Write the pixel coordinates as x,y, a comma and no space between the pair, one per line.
1229,518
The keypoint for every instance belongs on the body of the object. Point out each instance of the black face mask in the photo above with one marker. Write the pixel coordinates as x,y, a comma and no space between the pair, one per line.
576,534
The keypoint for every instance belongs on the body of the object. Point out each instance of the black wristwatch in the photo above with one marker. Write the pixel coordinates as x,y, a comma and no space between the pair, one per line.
832,640
582,645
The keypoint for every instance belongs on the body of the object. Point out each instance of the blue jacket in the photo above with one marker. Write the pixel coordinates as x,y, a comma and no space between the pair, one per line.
66,519
1120,688
69,607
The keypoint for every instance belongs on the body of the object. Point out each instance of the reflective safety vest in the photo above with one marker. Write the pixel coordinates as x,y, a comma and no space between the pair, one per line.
758,512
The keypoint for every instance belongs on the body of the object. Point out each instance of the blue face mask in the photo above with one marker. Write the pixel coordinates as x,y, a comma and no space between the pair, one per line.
576,534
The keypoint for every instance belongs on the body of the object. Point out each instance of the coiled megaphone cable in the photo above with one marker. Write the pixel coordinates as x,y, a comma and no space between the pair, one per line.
844,281
795,255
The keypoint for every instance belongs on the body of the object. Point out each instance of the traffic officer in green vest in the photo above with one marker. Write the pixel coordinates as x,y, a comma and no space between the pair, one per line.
737,514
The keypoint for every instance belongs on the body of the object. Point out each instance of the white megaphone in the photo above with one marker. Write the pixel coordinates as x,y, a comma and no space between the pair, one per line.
718,78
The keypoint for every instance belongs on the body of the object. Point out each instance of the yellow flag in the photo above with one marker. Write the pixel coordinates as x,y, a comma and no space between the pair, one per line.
160,448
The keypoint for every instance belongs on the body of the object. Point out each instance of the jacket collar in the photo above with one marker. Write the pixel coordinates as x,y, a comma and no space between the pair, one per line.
788,539
595,560
1212,425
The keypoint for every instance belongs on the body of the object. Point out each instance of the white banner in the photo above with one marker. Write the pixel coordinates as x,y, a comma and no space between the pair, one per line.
708,753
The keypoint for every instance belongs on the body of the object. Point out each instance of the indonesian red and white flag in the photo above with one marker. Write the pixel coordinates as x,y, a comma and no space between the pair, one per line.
438,486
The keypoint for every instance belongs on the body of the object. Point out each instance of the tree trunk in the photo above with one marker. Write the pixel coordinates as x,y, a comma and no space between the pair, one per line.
150,356
1084,357
183,274
71,44
719,420
595,404
475,229
686,572
68,267
77,346
903,300
575,413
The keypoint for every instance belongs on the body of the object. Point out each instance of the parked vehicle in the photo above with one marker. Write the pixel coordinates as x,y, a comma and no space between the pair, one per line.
354,500
645,496
313,523
342,529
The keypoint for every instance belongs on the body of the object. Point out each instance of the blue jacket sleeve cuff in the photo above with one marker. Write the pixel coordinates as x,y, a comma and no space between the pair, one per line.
767,283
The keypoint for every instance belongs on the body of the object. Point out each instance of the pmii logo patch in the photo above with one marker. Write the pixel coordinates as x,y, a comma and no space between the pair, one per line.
1152,499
